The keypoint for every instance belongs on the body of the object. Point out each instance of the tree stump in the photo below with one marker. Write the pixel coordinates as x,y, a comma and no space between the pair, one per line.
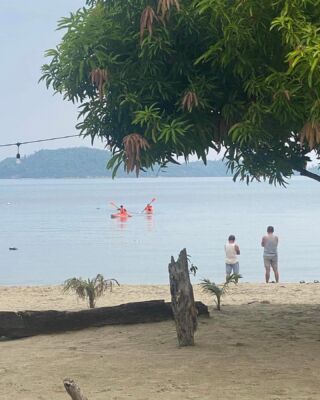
182,300
73,390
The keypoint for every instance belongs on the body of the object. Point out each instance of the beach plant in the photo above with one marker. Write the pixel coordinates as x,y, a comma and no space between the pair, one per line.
90,289
192,268
218,290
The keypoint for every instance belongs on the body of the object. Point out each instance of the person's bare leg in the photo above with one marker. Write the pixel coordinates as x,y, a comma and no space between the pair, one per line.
267,274
274,266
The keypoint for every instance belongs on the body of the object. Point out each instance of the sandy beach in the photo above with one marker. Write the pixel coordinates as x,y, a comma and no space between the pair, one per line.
264,344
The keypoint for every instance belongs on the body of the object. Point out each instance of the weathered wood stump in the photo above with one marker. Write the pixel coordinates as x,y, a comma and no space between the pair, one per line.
182,300
73,390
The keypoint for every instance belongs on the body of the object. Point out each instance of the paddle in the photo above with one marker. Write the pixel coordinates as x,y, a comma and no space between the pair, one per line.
154,199
118,208
114,205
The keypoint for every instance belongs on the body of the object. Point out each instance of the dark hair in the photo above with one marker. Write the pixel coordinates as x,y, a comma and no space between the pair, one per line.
231,237
270,229
121,206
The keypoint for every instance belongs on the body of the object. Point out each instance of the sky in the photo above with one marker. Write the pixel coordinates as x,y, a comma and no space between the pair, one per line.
28,110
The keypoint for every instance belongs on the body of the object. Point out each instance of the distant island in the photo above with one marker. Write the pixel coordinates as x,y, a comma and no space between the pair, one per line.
84,162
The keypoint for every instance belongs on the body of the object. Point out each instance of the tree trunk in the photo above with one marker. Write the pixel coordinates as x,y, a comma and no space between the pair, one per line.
219,303
73,390
92,302
309,174
29,323
182,300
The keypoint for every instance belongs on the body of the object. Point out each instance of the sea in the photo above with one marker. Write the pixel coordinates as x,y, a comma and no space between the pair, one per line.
61,228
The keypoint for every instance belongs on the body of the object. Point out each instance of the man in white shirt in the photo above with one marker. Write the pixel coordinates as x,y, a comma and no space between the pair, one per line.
232,251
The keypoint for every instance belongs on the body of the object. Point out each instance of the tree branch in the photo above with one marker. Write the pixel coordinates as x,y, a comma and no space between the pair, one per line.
305,172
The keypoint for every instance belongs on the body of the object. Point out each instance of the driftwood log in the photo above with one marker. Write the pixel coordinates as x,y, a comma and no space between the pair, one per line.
73,390
182,299
16,325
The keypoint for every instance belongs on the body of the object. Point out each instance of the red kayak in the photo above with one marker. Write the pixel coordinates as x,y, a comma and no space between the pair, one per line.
122,216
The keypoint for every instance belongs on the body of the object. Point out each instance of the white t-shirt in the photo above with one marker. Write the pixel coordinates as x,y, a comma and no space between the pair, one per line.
231,254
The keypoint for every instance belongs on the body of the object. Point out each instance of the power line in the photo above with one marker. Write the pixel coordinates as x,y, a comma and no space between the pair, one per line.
38,140
18,144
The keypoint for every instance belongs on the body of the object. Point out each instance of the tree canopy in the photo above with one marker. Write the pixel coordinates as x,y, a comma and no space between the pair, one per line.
159,79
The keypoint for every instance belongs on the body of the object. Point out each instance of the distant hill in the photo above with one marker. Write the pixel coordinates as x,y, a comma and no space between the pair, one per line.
83,162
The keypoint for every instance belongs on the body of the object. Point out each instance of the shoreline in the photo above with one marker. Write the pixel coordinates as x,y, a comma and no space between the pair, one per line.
51,297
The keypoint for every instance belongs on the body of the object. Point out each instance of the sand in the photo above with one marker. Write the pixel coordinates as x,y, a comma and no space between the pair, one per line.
264,344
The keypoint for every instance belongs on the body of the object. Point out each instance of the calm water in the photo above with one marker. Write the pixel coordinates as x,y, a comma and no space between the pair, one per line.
62,228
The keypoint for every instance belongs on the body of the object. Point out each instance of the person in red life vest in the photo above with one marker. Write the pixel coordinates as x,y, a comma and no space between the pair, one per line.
123,211
148,209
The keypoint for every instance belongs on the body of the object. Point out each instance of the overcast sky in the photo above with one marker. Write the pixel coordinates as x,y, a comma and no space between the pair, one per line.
28,110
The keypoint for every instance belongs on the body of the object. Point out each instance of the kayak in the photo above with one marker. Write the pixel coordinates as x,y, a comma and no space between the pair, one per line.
122,216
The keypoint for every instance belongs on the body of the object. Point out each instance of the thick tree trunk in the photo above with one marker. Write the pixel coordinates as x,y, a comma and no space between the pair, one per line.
73,390
16,325
182,300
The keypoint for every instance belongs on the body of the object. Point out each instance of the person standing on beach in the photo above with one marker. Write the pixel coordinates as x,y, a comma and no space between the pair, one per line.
232,251
270,254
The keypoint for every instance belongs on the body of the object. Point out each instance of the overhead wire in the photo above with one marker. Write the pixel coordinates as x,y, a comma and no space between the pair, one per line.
39,140
18,144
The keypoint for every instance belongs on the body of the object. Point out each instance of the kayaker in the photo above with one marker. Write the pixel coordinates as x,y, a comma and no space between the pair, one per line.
148,208
123,211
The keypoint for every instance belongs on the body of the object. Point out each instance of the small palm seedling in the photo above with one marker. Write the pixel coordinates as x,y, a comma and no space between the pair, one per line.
218,290
192,268
89,289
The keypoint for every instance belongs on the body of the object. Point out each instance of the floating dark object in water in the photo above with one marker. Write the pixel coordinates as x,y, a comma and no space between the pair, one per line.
13,248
